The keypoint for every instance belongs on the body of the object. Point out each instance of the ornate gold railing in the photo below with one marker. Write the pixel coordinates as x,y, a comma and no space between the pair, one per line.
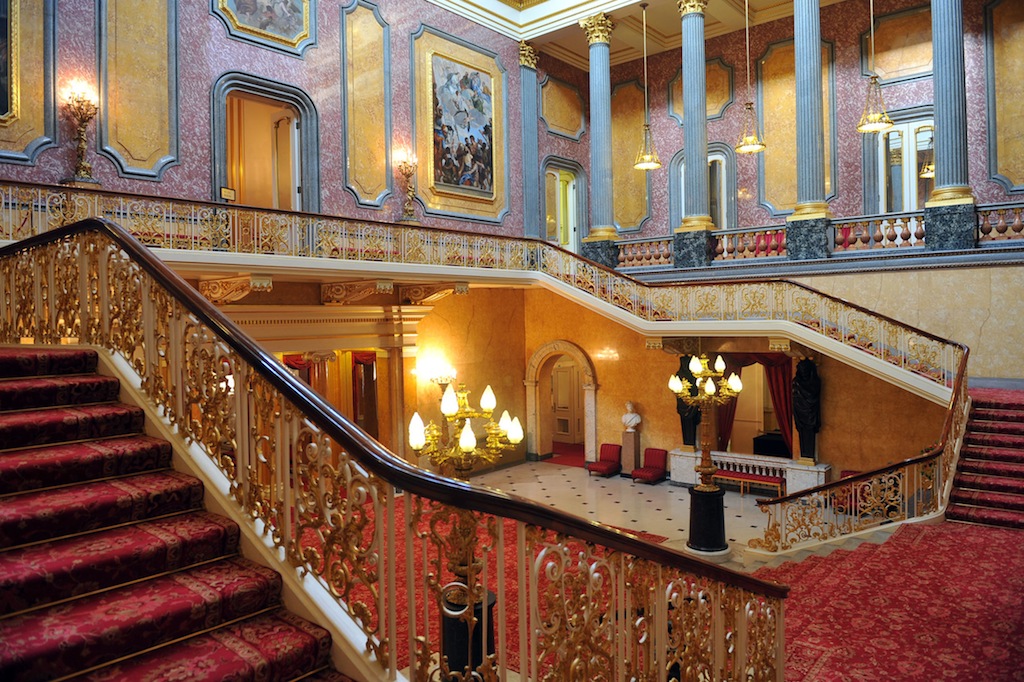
27,210
397,546
915,488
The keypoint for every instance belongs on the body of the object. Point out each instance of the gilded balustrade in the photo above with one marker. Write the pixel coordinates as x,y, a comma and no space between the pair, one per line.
572,601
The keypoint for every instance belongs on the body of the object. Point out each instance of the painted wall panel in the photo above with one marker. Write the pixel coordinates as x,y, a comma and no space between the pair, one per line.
366,115
903,45
562,108
629,186
27,125
718,80
1008,72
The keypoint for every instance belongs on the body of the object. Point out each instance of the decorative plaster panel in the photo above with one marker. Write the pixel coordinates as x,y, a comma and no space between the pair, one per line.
629,186
718,76
1006,57
562,109
29,123
903,46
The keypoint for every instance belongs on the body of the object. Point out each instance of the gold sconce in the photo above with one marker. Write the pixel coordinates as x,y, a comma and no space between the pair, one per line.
405,163
81,105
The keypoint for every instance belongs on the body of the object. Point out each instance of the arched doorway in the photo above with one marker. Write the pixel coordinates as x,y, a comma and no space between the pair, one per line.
565,204
560,361
265,149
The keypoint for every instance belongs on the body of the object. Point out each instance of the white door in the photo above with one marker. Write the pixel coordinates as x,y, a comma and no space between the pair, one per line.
566,402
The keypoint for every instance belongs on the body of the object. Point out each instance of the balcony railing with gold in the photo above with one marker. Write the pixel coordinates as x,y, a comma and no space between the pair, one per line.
572,599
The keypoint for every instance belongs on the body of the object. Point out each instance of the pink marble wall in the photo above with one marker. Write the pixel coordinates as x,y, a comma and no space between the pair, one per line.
551,144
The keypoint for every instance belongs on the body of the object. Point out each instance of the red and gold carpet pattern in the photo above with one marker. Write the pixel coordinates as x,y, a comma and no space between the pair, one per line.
940,602
109,565
989,483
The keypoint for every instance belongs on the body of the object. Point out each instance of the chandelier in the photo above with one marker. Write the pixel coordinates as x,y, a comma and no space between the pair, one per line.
647,158
453,447
750,140
709,388
875,118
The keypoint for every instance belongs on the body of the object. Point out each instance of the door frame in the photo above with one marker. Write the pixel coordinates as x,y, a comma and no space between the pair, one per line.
588,380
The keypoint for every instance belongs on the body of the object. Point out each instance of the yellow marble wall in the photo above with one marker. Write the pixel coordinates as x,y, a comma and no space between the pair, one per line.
981,307
24,121
903,44
779,115
718,86
137,119
1008,50
629,186
366,143
561,107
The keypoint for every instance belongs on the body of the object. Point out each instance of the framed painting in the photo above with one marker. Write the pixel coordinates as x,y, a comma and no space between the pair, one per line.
284,25
460,128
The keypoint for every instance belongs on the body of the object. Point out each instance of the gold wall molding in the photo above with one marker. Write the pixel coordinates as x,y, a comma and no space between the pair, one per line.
528,55
629,186
13,75
1006,129
231,289
429,294
598,28
562,108
351,292
719,85
367,84
30,123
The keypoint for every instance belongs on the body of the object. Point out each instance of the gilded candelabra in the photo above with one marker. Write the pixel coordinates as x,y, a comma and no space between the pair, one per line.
82,108
407,169
708,389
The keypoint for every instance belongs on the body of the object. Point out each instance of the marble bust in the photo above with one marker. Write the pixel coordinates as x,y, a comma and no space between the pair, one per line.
631,419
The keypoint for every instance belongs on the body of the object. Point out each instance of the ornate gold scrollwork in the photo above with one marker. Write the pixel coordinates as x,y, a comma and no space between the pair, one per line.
598,28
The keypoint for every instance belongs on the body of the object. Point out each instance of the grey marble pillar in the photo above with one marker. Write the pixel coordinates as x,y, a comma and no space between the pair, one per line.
695,120
602,216
530,112
950,221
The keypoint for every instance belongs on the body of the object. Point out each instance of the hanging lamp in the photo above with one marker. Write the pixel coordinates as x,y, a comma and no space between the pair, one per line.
646,159
750,140
875,118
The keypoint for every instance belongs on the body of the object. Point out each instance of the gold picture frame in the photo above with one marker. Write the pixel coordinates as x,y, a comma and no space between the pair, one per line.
285,25
460,129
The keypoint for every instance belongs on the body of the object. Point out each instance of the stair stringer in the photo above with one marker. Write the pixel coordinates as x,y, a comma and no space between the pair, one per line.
304,596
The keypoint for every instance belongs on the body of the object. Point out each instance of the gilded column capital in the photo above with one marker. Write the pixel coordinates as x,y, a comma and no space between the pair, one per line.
598,27
690,6
528,55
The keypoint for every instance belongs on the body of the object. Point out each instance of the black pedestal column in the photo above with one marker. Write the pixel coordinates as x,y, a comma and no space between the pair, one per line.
707,521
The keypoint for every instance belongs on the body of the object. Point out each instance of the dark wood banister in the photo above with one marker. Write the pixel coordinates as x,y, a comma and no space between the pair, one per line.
372,454
936,451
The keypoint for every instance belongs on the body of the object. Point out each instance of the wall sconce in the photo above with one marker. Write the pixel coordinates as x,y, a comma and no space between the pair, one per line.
81,105
406,165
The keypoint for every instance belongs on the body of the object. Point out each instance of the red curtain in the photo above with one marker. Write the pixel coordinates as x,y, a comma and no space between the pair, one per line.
296,361
779,373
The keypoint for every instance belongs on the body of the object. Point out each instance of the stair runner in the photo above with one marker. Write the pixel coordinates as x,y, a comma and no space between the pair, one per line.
989,484
109,565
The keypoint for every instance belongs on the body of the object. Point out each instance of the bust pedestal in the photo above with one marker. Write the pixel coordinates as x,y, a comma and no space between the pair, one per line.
630,451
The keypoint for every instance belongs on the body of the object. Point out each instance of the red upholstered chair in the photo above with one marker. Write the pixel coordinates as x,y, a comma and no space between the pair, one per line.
609,460
655,466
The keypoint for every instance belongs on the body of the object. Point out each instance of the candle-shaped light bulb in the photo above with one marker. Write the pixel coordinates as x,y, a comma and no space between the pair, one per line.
734,382
487,400
675,384
467,441
695,366
505,422
417,434
515,432
719,364
449,402
709,387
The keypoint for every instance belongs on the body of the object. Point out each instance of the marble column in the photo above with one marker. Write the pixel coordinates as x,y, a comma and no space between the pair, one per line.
530,111
950,213
599,244
807,228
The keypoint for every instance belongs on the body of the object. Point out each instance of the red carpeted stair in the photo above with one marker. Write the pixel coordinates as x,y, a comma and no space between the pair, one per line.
109,565
989,483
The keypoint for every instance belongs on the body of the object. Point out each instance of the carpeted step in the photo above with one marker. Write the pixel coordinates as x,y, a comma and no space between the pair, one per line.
997,398
327,675
988,498
36,392
997,414
43,515
53,571
54,465
273,646
994,440
982,482
1011,428
25,361
66,424
66,638
994,454
992,468
1005,518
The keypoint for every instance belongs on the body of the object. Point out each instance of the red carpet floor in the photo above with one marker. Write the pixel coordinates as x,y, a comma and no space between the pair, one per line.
940,602
567,454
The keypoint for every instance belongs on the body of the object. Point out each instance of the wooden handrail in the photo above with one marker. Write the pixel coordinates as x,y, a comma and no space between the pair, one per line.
368,451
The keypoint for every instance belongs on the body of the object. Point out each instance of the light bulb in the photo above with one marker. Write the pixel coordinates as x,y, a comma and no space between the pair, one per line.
719,364
449,402
467,441
734,383
505,422
487,400
417,434
709,387
695,365
515,432
675,384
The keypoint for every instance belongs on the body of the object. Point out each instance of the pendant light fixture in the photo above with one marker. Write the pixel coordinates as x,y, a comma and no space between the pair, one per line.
646,158
750,140
875,119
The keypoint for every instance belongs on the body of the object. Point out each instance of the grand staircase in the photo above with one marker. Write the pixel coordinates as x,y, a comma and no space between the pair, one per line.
110,567
989,484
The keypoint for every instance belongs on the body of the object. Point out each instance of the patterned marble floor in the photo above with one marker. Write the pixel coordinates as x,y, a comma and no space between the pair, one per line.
663,509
